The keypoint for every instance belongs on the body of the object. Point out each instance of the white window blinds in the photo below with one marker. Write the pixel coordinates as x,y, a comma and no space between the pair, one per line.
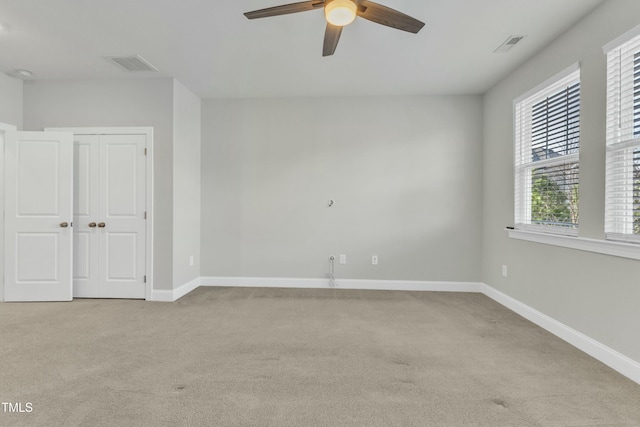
622,214
547,145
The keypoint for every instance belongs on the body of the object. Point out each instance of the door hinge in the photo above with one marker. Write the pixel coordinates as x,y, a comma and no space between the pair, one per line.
145,151
145,214
145,278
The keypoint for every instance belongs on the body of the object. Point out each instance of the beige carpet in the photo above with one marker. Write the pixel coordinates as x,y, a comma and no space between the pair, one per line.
287,357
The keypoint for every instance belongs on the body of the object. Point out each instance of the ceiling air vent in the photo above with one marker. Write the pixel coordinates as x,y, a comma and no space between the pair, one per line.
508,44
132,63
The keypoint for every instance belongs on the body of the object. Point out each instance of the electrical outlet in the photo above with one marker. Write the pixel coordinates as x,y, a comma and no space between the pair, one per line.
190,260
343,259
505,271
374,260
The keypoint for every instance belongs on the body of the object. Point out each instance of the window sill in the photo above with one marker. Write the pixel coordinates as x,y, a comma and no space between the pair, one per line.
607,247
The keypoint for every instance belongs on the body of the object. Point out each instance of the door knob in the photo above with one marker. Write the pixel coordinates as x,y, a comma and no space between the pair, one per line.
64,224
92,224
102,225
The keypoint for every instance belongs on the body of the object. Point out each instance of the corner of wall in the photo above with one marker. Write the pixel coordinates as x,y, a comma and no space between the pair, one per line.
186,147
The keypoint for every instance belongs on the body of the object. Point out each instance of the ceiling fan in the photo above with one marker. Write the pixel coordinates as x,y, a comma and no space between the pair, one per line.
343,12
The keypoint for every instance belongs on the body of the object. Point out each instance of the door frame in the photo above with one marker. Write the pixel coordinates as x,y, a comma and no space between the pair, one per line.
148,132
3,127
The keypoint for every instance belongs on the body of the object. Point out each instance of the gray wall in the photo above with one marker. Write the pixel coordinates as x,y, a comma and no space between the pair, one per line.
405,174
186,184
11,101
10,113
132,102
595,294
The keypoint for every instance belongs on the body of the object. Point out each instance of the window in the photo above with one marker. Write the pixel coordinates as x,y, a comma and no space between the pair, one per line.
547,145
622,215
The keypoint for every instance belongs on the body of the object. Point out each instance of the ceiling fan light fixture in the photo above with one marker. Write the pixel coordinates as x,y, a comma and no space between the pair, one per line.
340,12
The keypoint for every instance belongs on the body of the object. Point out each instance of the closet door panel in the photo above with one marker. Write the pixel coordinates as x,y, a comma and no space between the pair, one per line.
122,216
38,213
85,216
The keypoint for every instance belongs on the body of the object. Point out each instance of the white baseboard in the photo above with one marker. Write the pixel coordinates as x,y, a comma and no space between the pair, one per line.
383,285
617,361
186,288
161,296
174,295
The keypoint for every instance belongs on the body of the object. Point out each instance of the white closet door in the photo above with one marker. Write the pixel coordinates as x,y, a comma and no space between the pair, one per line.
121,223
38,216
85,216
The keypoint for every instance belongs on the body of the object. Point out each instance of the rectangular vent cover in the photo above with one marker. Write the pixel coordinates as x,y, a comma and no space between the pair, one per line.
132,63
508,44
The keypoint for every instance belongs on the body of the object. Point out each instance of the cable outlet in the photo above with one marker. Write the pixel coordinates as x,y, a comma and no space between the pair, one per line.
343,259
505,271
374,260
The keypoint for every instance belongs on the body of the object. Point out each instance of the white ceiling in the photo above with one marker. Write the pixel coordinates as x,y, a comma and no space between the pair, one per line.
214,50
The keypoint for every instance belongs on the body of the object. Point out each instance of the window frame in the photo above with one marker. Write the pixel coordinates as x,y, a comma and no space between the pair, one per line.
524,165
623,137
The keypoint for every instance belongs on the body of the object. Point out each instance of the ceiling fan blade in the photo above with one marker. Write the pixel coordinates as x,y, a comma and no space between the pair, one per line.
331,39
386,16
302,6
